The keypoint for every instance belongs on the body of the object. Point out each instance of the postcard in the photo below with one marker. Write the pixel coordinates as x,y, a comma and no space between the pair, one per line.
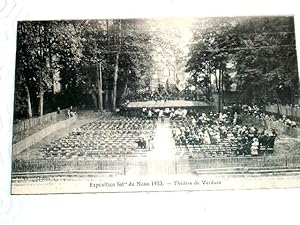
156,104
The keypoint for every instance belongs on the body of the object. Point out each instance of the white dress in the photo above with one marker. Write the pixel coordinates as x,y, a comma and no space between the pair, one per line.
206,138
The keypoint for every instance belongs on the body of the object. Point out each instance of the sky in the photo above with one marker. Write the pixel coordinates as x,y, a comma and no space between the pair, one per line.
176,34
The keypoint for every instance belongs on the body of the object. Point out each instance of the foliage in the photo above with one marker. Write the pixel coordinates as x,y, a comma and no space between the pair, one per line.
43,48
71,50
260,50
267,55
248,51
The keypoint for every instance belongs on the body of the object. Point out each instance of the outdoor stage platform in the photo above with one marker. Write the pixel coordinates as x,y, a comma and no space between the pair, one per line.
169,104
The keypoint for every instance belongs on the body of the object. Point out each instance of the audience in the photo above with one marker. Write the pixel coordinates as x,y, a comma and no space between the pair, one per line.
258,113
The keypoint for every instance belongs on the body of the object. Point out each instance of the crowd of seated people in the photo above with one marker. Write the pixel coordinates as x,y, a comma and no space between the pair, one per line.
152,96
164,94
163,112
155,113
288,105
288,122
258,113
192,127
219,130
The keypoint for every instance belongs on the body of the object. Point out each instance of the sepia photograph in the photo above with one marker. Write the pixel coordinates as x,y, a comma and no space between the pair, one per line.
156,104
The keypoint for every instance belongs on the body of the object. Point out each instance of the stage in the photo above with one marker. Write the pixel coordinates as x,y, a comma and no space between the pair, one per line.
168,104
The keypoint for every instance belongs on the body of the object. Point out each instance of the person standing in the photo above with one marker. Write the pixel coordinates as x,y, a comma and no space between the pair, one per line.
161,116
254,147
271,139
150,114
206,138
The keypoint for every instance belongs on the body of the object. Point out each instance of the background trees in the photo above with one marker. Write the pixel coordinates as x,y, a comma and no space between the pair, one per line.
43,48
258,52
71,51
266,55
133,58
249,52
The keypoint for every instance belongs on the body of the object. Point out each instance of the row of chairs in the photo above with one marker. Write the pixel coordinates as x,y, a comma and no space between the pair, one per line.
96,140
118,123
225,148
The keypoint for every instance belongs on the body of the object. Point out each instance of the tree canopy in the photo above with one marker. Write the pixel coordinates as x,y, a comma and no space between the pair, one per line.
256,54
73,49
259,53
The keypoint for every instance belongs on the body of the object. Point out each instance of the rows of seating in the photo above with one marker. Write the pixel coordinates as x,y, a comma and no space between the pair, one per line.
117,123
203,150
109,137
194,149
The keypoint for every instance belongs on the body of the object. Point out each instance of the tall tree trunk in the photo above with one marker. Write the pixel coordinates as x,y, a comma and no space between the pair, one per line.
41,54
216,81
99,86
94,100
41,104
28,99
106,97
111,97
115,82
116,73
125,90
107,35
126,86
222,88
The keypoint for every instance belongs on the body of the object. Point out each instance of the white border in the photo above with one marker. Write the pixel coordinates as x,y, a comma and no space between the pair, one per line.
279,206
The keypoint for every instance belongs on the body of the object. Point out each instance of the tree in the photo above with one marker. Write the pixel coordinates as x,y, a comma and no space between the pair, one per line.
81,78
261,50
169,48
44,47
266,55
24,66
131,47
210,53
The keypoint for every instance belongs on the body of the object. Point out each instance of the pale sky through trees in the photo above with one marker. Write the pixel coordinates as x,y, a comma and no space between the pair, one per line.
172,46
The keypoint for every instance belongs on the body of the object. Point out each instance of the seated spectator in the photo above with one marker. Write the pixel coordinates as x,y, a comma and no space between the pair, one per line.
141,141
77,131
271,139
254,147
150,114
71,112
